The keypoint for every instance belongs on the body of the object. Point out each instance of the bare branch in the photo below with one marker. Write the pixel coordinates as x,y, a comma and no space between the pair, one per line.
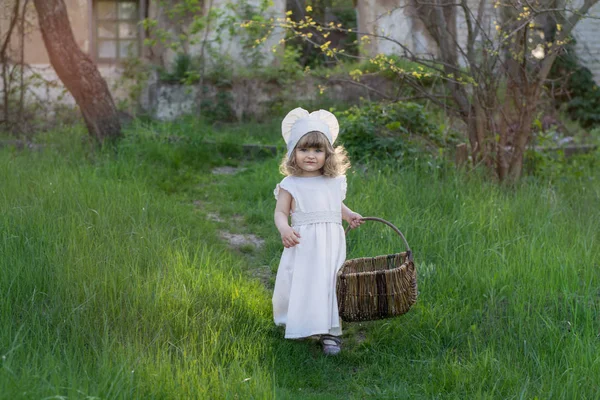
577,15
470,31
570,23
480,11
11,27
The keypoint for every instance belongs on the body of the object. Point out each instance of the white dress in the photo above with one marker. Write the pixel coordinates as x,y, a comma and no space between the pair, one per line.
304,298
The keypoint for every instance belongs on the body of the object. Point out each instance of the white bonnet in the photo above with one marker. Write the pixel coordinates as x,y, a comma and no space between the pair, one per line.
299,122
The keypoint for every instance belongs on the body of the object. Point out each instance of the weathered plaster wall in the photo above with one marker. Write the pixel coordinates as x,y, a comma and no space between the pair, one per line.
249,98
396,20
226,48
46,86
35,51
255,99
393,17
490,14
80,12
366,17
587,35
79,15
231,47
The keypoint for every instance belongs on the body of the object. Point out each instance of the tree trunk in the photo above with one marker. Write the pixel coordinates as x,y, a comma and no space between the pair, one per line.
523,133
501,153
77,71
475,119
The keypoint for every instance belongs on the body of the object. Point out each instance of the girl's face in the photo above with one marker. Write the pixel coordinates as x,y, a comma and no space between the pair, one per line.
310,160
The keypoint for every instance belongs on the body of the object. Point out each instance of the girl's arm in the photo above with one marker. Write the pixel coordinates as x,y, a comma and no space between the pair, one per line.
353,218
289,237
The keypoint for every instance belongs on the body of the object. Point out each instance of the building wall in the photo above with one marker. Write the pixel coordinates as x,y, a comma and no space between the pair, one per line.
35,51
80,16
587,35
231,47
490,14
397,19
394,19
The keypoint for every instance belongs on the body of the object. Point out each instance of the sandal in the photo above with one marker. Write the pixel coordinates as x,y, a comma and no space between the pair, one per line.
331,344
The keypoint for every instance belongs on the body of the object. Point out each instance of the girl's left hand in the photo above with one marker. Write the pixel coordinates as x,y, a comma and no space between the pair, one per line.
355,220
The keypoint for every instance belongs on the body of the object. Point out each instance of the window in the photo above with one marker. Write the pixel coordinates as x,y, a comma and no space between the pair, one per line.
116,34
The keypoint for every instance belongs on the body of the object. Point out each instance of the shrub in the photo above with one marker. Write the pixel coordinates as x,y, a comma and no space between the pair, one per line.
547,160
424,76
184,70
394,131
582,95
554,165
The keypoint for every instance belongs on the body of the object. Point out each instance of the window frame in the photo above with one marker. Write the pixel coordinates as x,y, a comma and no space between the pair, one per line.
94,27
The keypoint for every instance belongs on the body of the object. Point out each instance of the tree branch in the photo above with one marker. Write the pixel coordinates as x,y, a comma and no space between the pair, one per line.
577,15
570,23
11,27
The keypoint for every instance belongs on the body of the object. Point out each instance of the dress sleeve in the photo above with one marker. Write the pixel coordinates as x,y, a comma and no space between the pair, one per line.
344,186
284,184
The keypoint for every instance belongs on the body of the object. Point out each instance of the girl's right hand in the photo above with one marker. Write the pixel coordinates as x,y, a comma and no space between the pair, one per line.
289,237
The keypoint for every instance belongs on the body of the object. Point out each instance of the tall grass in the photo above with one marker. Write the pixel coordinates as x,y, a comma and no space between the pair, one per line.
111,289
509,286
115,285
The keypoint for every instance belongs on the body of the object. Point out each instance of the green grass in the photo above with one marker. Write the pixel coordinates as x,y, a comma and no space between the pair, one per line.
509,286
112,289
190,127
116,285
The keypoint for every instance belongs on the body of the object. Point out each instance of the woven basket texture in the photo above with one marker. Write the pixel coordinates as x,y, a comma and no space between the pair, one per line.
372,288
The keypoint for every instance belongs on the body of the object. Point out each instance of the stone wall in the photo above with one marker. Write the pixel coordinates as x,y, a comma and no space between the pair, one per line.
255,99
250,98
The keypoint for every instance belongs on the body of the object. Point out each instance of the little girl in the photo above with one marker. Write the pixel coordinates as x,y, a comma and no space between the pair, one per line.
304,299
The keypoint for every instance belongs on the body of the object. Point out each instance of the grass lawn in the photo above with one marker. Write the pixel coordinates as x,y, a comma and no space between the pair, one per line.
116,283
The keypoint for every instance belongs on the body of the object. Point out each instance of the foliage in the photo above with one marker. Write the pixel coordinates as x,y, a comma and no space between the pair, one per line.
251,38
133,80
218,109
117,290
22,111
346,16
208,32
507,289
397,132
492,79
546,158
290,64
117,285
422,75
218,105
554,165
582,94
182,71
340,13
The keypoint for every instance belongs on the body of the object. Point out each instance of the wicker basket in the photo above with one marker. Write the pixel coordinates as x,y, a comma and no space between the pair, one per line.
372,288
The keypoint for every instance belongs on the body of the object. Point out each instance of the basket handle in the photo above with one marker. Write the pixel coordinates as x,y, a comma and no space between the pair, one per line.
408,250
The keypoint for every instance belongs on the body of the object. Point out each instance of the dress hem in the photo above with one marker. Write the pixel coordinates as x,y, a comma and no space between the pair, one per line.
316,332
296,336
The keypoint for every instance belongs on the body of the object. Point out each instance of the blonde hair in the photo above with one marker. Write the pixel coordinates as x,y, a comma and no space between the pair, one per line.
336,159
